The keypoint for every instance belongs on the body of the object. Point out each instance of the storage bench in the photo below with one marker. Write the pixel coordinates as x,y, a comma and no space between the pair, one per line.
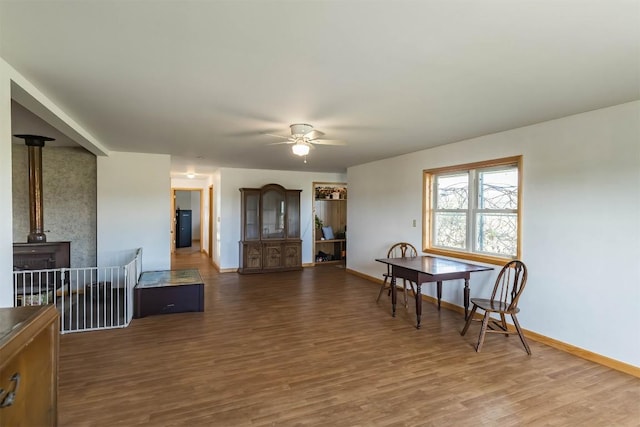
168,291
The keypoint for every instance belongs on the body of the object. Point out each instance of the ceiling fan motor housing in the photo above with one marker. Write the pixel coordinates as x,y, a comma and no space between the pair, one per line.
299,130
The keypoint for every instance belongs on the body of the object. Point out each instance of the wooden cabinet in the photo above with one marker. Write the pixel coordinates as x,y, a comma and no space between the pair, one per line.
330,209
270,233
29,341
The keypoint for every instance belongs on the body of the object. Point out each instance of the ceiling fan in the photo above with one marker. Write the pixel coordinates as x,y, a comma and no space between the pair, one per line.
303,137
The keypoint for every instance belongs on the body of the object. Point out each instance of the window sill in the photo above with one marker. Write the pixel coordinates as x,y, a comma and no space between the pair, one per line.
468,256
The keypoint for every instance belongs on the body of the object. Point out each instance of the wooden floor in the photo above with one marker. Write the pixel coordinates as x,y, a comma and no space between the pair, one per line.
313,348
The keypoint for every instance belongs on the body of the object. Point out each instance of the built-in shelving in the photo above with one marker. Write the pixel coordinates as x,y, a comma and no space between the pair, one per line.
330,210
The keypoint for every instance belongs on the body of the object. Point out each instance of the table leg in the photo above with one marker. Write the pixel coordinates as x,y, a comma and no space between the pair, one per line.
418,305
394,295
466,298
439,294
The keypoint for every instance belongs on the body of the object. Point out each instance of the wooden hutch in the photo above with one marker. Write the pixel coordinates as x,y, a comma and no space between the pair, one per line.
270,234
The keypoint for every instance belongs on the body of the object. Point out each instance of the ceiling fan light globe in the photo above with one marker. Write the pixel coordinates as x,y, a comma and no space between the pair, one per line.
300,149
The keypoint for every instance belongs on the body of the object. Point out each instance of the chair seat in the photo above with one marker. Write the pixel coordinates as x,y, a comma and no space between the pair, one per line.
493,305
389,276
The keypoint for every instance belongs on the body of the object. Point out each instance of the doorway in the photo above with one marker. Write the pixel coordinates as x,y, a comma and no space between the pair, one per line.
211,223
187,221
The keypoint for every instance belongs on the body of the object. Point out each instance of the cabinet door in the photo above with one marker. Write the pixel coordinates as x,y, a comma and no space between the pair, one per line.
251,214
272,255
293,214
292,257
252,256
273,201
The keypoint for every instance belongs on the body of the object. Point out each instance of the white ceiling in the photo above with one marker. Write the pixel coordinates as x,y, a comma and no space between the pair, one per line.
204,80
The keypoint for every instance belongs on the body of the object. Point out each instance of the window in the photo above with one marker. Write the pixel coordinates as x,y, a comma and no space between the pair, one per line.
472,211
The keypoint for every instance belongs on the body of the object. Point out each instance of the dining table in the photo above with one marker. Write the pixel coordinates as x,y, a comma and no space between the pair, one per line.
429,269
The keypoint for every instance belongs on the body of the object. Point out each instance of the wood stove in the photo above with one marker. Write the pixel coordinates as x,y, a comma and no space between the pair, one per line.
40,256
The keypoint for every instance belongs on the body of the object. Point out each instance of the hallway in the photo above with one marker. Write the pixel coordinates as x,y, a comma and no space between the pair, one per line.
191,257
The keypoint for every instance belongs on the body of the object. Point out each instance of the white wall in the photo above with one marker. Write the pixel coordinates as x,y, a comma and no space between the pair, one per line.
580,223
183,199
231,180
134,209
6,215
217,212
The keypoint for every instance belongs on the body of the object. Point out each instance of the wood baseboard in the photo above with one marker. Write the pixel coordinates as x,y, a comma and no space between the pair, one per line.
534,336
584,354
365,276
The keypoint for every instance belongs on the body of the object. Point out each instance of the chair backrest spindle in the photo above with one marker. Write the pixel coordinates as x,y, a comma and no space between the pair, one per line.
510,283
401,250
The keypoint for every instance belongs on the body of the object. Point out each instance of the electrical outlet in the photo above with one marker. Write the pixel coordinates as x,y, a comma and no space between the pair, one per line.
414,222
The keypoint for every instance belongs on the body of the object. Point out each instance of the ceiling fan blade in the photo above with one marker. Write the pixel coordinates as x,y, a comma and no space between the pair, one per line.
328,142
278,136
249,133
313,134
281,142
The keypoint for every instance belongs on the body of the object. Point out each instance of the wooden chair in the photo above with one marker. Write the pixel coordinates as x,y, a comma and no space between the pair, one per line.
504,300
399,250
